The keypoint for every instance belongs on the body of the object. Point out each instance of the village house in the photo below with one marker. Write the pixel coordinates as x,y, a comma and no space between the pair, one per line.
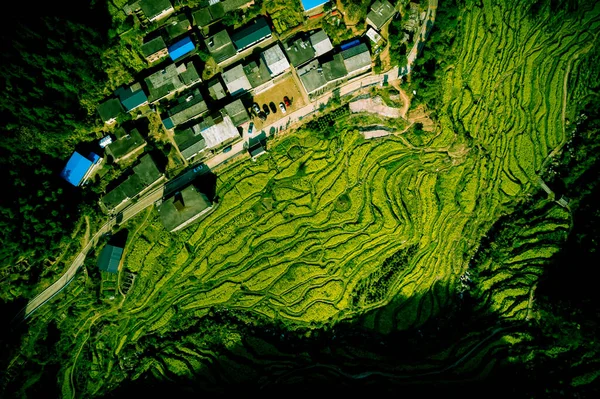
184,208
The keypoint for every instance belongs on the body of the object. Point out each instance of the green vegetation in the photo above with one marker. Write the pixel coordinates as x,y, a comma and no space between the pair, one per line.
413,259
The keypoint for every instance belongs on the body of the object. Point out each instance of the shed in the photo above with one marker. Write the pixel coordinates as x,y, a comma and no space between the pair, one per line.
110,258
181,48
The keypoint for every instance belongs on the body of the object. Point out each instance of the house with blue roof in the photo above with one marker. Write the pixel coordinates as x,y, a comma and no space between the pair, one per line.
80,168
181,48
312,4
132,97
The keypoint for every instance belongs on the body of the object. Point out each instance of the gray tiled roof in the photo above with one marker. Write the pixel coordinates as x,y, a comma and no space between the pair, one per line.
237,112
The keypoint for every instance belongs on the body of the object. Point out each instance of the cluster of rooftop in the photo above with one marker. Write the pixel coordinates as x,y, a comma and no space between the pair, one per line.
222,46
333,69
145,175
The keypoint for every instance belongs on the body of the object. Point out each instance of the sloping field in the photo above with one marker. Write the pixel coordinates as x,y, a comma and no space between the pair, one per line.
329,226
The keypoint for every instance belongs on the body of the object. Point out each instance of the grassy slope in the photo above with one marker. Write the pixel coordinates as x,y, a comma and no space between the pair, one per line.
315,257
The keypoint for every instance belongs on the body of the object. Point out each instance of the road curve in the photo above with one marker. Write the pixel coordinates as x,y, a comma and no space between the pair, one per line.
280,125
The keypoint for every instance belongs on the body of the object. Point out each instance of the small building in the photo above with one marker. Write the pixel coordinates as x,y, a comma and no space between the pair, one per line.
183,208
256,150
190,142
320,43
156,9
257,73
104,141
216,89
237,112
177,26
154,49
132,97
127,144
181,48
145,175
309,5
220,46
251,34
299,51
188,106
79,168
236,80
109,110
110,259
381,12
357,59
171,79
275,60
375,37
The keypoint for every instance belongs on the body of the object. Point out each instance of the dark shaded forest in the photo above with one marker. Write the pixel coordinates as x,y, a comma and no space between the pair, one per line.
50,67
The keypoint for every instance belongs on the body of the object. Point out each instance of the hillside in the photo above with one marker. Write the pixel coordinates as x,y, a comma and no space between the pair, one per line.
407,260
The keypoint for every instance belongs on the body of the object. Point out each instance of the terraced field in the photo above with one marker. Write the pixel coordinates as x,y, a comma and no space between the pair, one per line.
330,227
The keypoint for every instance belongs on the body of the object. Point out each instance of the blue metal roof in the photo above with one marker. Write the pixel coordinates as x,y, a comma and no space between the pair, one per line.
350,44
310,4
76,168
181,48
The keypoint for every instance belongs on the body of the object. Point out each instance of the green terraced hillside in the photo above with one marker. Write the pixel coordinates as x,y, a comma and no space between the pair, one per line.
329,229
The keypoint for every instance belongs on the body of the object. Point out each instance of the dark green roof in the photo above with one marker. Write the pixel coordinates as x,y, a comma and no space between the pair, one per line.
183,206
189,106
177,26
189,142
217,11
145,173
109,259
299,51
125,144
220,46
110,109
202,17
152,8
250,34
153,46
381,12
